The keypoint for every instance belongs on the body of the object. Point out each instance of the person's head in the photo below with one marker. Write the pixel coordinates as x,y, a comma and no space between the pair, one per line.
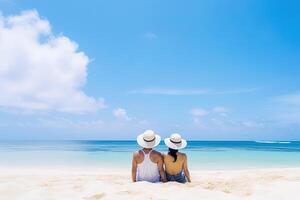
148,139
175,142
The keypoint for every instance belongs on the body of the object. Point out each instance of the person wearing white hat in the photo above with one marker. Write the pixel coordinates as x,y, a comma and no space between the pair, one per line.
175,162
147,164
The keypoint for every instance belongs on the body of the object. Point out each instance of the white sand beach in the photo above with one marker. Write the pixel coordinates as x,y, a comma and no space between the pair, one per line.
92,184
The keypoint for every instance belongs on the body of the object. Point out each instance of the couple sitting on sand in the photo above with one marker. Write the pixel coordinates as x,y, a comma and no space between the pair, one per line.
152,166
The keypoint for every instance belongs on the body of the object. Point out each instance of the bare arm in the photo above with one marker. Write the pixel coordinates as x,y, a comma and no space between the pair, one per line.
134,167
162,173
186,170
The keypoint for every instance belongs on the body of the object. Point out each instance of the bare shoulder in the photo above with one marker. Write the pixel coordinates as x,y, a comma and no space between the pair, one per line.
156,154
136,154
183,155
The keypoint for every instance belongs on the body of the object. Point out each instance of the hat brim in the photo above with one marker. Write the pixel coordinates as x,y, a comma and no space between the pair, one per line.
172,145
148,145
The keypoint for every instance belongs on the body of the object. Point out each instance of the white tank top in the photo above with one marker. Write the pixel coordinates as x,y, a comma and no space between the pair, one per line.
147,170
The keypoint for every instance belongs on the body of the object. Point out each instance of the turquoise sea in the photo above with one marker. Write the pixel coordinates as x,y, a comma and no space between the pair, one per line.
117,154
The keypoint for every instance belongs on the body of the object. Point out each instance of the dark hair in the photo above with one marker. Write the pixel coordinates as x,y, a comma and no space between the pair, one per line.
173,153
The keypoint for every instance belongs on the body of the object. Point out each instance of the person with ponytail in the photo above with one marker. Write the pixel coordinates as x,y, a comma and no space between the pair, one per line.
176,167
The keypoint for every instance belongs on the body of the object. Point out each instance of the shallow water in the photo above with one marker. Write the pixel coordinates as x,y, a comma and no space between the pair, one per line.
201,154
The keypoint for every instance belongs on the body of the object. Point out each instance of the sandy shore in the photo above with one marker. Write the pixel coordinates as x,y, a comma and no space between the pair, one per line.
92,184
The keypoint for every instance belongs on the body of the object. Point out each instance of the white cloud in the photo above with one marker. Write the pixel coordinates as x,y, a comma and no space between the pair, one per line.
199,112
252,124
220,109
170,91
9,2
237,91
121,113
291,99
217,119
227,124
96,126
286,109
186,92
41,71
150,36
67,123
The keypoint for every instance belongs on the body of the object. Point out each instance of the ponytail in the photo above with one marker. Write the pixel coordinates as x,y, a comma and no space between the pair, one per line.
173,153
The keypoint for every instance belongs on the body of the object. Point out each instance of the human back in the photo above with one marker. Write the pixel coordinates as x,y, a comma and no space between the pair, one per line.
173,167
148,165
176,167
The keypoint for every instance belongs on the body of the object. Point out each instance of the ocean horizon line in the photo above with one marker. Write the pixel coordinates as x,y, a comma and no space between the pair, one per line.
134,140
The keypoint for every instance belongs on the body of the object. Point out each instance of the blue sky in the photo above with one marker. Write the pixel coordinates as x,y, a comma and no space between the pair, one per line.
210,70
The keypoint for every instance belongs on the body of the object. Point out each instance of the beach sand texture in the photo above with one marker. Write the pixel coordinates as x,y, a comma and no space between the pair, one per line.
94,184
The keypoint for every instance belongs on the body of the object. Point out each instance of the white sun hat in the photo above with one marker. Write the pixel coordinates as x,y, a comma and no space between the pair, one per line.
148,139
175,141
